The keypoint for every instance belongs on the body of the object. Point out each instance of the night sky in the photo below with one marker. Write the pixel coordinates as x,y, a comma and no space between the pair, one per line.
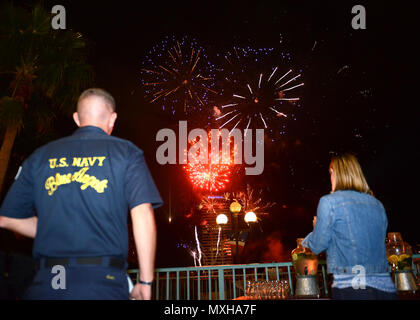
353,100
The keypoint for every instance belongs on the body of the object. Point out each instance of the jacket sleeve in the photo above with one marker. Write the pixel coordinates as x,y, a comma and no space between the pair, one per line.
318,240
140,186
19,202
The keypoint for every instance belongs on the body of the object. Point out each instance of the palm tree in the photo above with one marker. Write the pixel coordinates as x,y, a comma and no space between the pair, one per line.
42,71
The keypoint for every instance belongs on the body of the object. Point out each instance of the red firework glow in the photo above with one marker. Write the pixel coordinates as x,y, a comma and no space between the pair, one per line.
211,176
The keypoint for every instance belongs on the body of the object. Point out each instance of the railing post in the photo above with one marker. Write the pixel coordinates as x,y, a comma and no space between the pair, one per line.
221,283
244,275
325,280
234,283
290,280
177,285
188,285
415,267
199,284
167,285
209,271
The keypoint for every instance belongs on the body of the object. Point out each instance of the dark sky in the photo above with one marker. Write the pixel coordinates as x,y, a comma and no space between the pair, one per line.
359,109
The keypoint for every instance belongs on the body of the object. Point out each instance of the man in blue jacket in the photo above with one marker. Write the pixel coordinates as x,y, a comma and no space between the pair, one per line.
72,196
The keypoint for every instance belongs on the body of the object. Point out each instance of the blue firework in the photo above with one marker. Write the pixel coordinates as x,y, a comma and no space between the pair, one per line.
177,75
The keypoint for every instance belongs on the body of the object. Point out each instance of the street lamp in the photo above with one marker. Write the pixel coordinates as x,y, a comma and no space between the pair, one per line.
221,219
235,208
250,217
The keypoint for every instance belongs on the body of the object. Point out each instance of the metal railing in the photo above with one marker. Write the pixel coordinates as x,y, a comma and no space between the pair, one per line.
225,282
219,282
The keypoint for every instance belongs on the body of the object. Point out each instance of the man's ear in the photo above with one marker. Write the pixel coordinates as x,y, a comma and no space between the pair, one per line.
111,123
76,118
113,119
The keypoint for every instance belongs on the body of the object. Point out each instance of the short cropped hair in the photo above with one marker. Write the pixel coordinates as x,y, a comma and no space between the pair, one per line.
98,92
349,174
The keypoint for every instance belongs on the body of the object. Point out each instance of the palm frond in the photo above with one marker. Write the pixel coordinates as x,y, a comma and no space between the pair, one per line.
11,111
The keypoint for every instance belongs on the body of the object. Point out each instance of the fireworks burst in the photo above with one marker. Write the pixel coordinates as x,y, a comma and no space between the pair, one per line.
257,97
193,253
251,201
178,75
198,246
218,241
213,176
210,204
209,177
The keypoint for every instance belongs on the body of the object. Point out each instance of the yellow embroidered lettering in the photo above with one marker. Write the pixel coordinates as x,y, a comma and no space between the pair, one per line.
102,186
63,163
87,181
79,174
58,179
101,160
53,163
85,162
62,179
92,161
76,162
52,183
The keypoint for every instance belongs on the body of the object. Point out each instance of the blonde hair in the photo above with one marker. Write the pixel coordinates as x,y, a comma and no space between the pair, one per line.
349,174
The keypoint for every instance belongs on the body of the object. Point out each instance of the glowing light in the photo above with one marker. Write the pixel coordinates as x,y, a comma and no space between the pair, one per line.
221,219
195,258
250,202
177,74
275,69
218,241
210,205
250,217
283,76
213,176
209,177
198,246
235,207
300,84
256,94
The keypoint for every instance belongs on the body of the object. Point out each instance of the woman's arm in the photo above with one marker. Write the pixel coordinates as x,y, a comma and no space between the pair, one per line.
318,240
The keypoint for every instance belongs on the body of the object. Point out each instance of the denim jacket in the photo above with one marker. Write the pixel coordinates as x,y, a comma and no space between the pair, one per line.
351,227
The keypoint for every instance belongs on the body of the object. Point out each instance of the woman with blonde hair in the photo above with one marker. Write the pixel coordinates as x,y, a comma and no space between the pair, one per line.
351,227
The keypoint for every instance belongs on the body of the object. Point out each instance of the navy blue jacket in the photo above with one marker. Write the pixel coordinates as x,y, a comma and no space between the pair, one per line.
81,188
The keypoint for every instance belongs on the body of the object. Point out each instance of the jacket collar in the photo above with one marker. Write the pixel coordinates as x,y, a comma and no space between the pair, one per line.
89,129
